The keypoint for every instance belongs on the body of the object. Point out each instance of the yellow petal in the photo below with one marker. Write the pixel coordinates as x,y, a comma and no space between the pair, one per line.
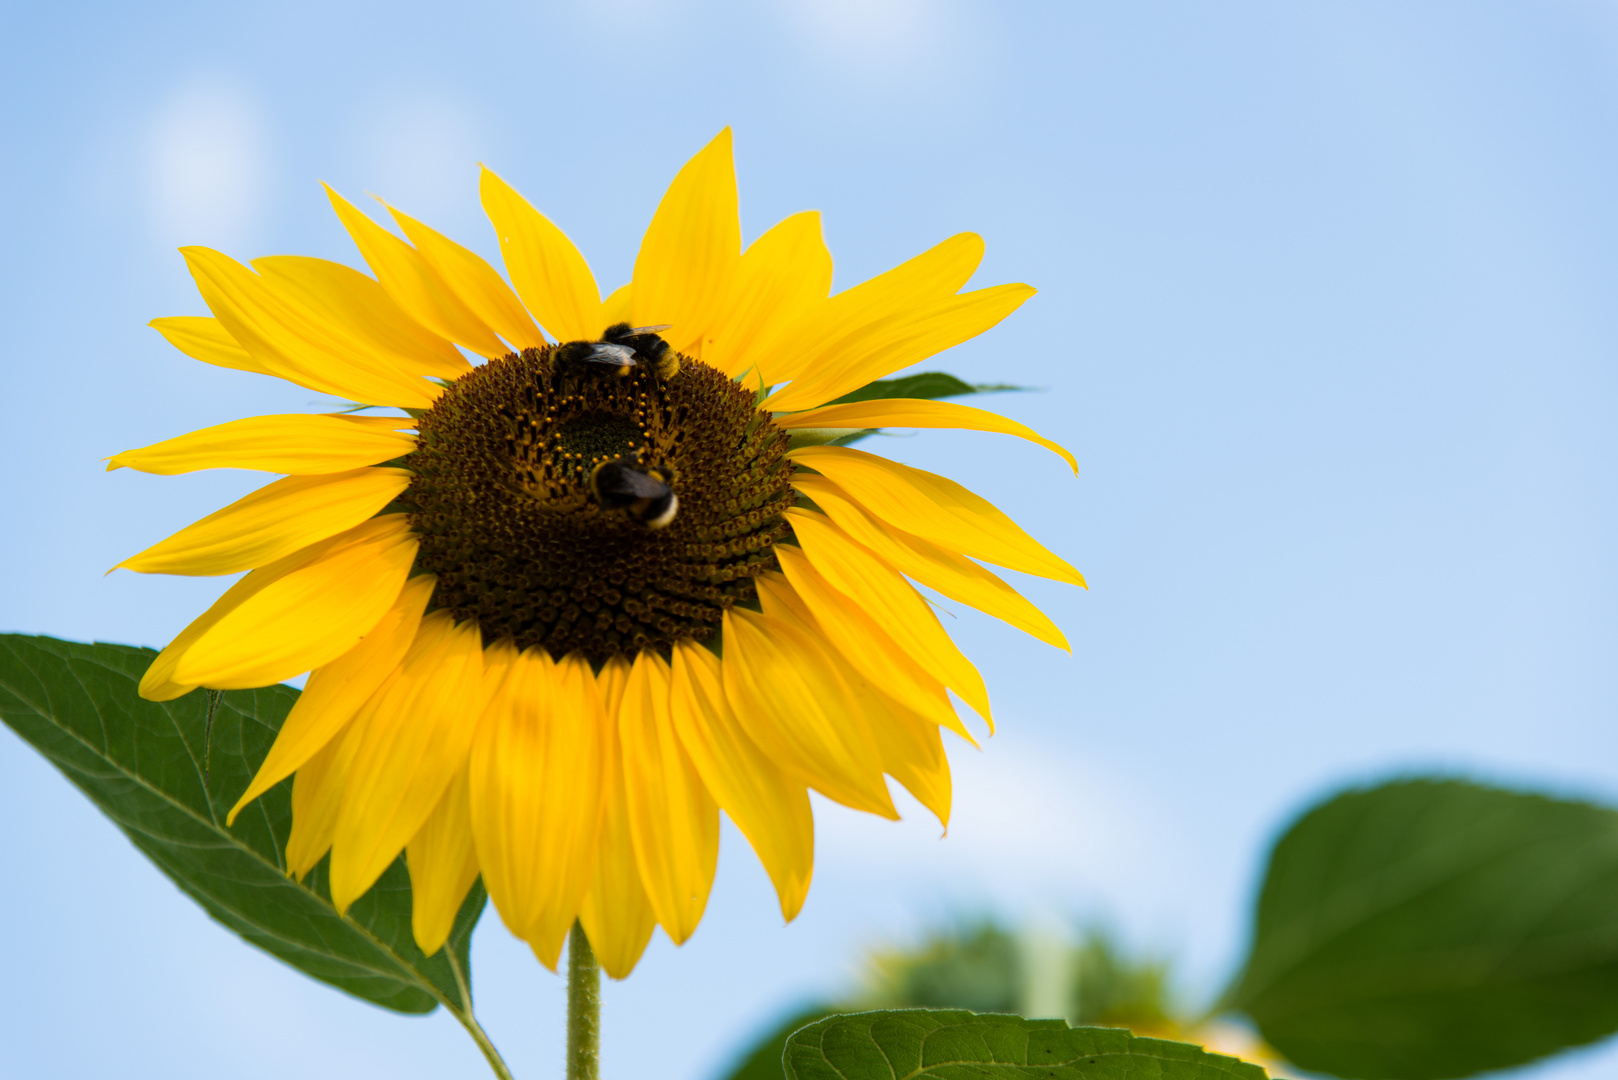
865,645
689,254
907,743
443,864
615,308
548,272
306,616
612,681
913,754
782,276
414,284
203,338
503,807
284,339
411,747
861,352
956,576
616,915
296,443
935,509
891,601
272,523
160,682
936,274
536,797
336,691
918,413
317,791
770,807
672,817
475,282
783,688
360,310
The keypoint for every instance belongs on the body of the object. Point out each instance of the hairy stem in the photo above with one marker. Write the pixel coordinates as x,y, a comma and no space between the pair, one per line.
583,1008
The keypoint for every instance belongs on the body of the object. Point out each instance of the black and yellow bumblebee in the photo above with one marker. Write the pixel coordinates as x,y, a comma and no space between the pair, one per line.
622,347
644,493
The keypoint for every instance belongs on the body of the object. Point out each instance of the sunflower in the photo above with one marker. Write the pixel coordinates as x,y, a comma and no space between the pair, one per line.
590,591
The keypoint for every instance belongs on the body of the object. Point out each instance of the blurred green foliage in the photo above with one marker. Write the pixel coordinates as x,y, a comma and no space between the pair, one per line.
977,968
986,967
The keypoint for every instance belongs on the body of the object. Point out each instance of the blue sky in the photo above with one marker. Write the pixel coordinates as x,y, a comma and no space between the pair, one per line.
1326,313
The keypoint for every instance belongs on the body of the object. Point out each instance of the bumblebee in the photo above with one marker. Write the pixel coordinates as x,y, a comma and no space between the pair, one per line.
644,493
622,347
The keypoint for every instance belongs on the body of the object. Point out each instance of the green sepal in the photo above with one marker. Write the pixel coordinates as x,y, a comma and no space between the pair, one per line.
142,763
951,1044
754,382
1428,928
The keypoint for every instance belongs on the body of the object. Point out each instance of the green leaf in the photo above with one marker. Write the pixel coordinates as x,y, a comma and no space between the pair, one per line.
923,384
925,1044
1435,928
142,763
762,1059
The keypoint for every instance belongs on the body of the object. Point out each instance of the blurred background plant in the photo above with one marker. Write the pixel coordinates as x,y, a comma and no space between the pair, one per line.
1424,928
1081,972
987,966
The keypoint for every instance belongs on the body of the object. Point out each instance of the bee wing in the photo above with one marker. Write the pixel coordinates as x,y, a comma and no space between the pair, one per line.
650,329
602,352
628,482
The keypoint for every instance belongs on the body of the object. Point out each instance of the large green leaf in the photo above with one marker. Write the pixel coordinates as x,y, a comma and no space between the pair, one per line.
1434,928
923,384
142,763
949,1044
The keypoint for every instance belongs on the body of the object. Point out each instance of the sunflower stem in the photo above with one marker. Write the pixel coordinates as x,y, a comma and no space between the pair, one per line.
583,1008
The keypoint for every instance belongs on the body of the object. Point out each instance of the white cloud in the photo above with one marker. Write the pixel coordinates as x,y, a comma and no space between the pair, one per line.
1032,825
871,33
206,157
419,153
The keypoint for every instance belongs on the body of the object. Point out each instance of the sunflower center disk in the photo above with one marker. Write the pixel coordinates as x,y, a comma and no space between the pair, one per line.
503,504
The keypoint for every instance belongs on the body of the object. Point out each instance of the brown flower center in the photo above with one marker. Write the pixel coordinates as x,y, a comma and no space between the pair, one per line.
520,539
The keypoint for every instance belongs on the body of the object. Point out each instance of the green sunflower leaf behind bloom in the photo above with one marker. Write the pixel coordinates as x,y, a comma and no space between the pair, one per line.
924,384
928,385
142,763
943,1044
1427,929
